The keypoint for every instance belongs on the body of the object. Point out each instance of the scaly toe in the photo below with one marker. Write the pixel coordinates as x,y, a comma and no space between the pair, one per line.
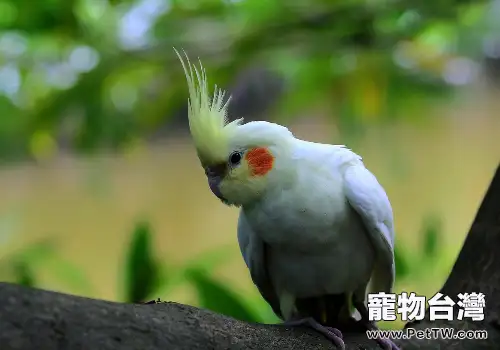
337,341
387,344
336,331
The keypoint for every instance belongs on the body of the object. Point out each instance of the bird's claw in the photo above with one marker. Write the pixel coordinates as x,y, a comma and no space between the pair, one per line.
335,331
332,334
387,344
335,335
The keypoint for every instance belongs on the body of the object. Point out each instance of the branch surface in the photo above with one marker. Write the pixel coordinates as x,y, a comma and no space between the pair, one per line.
34,319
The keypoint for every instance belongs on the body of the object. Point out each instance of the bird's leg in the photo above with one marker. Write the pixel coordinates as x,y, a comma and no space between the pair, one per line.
386,344
330,333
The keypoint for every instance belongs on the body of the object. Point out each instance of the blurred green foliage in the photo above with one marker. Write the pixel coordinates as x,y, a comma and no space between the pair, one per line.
148,278
24,274
402,268
431,237
409,261
218,297
24,265
143,278
91,74
141,266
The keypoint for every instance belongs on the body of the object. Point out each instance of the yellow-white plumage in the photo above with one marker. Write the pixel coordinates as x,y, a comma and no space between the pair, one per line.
207,116
317,223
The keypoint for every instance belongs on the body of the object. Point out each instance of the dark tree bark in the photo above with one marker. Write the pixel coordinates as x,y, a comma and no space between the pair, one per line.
32,319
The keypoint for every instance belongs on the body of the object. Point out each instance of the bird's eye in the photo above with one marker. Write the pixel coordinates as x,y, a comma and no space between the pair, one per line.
235,158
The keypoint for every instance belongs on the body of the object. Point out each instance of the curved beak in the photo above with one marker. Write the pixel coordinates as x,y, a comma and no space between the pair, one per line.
215,174
213,183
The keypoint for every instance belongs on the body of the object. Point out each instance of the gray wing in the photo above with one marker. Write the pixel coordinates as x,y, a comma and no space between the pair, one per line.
367,197
254,252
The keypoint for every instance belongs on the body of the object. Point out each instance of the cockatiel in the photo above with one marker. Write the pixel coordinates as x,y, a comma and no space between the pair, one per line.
315,227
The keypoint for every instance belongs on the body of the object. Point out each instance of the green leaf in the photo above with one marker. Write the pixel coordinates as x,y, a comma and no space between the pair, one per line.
207,261
213,258
432,228
402,268
38,252
23,274
70,274
264,310
142,270
43,254
215,296
21,264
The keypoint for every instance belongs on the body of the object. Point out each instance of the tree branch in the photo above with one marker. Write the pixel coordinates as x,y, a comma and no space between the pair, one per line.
42,320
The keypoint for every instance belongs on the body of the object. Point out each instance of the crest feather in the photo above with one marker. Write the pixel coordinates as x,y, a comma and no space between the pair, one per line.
208,123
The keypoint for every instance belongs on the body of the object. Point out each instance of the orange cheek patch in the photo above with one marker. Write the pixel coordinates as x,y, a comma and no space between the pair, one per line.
260,161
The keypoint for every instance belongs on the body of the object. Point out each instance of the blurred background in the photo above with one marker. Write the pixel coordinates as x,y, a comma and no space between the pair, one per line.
101,191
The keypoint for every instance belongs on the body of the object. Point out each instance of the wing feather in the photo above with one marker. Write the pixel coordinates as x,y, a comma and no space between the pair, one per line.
254,252
367,197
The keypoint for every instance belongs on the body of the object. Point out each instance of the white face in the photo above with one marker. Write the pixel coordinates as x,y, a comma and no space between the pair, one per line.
242,177
240,173
219,173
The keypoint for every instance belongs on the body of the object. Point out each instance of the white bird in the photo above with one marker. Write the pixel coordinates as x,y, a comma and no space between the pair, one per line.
315,227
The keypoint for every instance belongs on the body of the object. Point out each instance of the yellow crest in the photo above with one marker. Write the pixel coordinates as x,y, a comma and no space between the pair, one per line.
207,115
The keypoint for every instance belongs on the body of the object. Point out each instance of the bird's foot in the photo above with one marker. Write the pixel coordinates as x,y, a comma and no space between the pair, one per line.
385,343
333,334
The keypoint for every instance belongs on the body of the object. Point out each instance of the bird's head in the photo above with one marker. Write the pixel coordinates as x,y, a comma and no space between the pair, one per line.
239,159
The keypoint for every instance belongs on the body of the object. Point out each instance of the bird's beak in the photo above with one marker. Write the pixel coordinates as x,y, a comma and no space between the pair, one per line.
214,183
215,174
